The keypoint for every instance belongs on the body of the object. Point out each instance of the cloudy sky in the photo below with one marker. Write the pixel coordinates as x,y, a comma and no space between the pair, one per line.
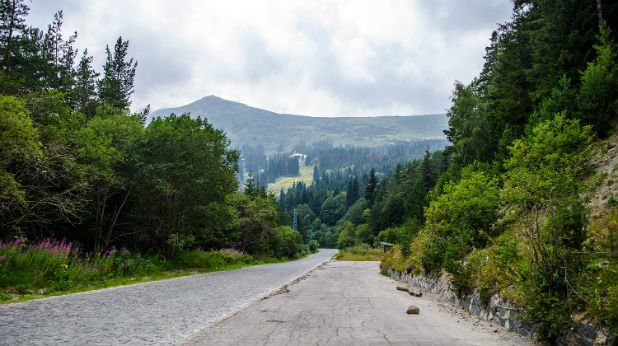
318,57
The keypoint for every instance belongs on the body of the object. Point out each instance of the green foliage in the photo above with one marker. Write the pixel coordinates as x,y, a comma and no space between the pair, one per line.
461,219
333,208
347,236
290,243
360,252
19,145
467,126
599,281
356,213
116,87
60,265
400,235
598,94
542,188
186,173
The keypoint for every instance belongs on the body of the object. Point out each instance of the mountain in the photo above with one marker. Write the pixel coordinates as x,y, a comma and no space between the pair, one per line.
253,126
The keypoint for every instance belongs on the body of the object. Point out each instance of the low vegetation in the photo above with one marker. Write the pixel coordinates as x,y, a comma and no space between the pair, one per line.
362,252
50,267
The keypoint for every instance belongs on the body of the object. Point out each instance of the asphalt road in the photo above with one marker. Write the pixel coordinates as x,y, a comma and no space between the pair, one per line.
350,303
157,313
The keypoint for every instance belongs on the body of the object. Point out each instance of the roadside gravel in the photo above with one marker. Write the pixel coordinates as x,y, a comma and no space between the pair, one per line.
160,312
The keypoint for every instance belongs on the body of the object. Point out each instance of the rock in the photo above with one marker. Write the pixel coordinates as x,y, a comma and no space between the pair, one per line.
402,288
413,310
414,292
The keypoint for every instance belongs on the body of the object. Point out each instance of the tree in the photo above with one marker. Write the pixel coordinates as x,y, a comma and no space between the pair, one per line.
186,174
598,94
463,216
352,193
106,147
333,209
467,126
12,23
19,145
60,55
84,92
316,174
370,188
116,86
542,189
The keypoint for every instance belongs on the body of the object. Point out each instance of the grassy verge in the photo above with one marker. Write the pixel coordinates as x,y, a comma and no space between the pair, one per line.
51,267
359,253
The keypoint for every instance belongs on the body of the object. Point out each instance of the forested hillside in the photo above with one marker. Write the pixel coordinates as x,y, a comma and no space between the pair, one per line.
75,164
274,132
512,214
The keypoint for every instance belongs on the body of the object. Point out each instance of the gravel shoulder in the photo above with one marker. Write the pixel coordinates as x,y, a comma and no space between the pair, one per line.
349,303
160,312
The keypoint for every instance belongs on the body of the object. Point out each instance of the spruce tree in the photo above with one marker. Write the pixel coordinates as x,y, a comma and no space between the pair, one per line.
116,87
370,188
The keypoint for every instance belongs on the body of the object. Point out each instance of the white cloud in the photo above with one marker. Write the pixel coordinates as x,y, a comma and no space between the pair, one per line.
303,57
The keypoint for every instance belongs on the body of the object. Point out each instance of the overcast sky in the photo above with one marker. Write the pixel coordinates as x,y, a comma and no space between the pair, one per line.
313,57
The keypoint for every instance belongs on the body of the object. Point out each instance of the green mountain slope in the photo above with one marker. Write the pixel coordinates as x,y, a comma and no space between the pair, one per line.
247,125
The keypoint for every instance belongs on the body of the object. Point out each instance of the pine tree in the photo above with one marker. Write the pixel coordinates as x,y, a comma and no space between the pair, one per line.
352,193
116,87
12,23
316,174
370,188
427,176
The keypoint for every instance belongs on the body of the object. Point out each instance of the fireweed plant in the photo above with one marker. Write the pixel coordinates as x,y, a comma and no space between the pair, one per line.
52,266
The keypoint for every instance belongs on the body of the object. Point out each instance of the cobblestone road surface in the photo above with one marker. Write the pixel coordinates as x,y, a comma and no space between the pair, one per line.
159,312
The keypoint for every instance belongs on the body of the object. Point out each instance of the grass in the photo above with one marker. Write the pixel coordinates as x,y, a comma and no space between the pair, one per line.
51,267
359,253
306,176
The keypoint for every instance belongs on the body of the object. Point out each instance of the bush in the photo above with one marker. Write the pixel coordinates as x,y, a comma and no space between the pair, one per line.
60,265
290,243
211,260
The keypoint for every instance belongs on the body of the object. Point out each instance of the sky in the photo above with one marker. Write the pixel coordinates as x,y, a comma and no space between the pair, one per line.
318,57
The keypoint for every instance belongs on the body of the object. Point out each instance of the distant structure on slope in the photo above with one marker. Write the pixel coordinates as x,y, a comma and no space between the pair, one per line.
302,158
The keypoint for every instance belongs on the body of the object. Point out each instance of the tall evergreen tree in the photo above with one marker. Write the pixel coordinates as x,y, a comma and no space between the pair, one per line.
370,188
316,174
352,193
116,87
83,95
12,25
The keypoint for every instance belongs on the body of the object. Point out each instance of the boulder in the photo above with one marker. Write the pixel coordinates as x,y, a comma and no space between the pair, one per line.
413,310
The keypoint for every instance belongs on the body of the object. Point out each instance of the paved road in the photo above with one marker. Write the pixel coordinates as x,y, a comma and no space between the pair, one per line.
153,313
349,303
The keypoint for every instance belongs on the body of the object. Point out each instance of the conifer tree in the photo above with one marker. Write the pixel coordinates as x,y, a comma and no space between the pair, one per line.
116,87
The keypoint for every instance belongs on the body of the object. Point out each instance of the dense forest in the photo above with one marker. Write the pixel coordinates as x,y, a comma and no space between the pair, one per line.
76,164
266,168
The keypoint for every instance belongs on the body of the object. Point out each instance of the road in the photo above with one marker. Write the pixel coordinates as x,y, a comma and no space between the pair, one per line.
159,312
349,303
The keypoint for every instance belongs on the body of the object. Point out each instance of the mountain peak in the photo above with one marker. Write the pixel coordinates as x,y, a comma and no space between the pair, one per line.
244,124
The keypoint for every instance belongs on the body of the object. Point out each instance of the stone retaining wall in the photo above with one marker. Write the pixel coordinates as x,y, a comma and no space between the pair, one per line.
504,313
